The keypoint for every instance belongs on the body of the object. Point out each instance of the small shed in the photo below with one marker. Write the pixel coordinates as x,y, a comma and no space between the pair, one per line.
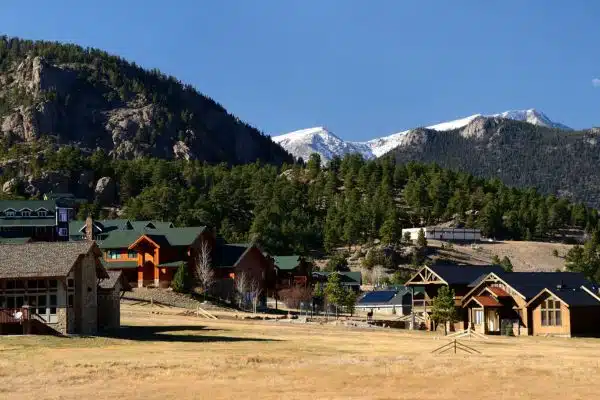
109,300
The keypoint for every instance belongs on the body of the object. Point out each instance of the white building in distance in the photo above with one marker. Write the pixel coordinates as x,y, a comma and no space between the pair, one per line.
439,233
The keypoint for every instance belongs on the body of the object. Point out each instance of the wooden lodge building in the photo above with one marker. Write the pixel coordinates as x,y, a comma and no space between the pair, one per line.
491,301
57,288
292,271
150,252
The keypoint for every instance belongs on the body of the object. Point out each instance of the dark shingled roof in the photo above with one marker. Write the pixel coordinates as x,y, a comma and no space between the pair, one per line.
463,274
113,278
42,259
377,297
226,255
576,297
529,284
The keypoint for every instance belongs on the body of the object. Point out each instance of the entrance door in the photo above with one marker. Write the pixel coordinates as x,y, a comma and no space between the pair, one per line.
491,320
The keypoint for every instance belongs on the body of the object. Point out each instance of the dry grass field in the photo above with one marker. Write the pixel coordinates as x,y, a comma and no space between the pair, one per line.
168,356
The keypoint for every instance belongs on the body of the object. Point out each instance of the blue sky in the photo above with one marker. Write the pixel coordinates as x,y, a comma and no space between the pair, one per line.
361,68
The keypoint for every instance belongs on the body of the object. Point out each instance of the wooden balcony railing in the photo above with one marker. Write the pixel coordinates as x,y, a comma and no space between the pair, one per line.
422,303
14,315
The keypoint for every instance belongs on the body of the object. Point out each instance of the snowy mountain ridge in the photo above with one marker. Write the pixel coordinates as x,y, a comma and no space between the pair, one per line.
304,142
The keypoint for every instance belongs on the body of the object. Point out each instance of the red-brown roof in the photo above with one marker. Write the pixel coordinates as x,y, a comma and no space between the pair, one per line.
487,301
498,291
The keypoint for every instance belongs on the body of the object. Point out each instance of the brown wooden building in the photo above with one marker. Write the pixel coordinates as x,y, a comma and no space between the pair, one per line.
426,282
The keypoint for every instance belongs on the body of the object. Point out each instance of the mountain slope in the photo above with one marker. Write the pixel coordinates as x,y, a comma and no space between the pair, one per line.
519,154
65,94
304,144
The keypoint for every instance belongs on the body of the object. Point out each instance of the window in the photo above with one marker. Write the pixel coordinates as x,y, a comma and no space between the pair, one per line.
10,213
131,254
26,213
63,215
113,254
42,213
63,232
478,317
551,315
71,300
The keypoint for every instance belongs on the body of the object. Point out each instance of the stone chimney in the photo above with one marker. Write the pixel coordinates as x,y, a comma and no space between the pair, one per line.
89,228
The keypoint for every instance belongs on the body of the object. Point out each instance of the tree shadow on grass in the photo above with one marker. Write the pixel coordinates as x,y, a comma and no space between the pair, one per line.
164,333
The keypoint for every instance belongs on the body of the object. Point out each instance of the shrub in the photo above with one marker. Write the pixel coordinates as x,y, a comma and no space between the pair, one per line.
180,282
292,297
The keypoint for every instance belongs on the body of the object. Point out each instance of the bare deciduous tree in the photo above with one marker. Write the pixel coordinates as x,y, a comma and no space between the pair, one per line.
377,274
241,287
255,292
204,271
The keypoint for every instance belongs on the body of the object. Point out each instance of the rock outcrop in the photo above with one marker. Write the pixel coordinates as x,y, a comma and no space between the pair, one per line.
106,190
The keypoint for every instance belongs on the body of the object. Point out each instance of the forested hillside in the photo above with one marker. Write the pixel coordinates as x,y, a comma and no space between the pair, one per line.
558,162
298,208
54,94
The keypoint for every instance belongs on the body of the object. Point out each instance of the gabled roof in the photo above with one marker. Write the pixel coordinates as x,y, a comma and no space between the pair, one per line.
572,297
484,301
183,236
348,278
119,240
227,255
529,284
456,274
286,263
110,282
157,225
17,205
44,259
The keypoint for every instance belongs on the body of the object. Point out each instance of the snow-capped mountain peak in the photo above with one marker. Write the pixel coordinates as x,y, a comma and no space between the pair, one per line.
304,142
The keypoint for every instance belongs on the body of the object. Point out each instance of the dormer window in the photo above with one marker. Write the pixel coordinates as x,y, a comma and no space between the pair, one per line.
26,213
42,213
10,212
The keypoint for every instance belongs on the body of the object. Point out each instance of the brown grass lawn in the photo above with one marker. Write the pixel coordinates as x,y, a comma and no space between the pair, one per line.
175,357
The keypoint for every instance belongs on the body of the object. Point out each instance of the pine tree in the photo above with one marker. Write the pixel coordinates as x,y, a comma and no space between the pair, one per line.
391,230
443,310
421,240
506,264
334,292
180,281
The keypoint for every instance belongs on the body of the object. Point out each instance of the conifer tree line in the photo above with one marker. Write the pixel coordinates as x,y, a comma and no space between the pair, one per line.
294,209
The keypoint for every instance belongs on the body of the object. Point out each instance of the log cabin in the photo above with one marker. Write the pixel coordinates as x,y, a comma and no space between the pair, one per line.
292,271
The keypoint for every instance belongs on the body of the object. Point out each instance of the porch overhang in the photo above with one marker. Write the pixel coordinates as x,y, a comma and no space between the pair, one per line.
483,301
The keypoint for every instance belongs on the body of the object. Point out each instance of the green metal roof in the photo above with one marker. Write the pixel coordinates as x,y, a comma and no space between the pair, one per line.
119,240
182,236
27,221
151,225
17,205
119,264
287,263
21,240
351,277
171,264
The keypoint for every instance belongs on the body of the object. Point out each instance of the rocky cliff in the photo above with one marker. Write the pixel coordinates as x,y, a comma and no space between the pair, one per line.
64,94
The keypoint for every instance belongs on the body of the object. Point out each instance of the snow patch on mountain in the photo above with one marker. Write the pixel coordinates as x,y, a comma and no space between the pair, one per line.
304,142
